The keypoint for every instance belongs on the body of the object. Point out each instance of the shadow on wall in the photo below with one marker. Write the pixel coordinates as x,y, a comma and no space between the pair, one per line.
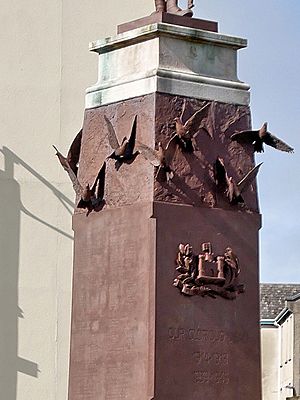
11,208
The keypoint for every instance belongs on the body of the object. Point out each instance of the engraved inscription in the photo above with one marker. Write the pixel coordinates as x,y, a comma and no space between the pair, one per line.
118,381
211,377
196,334
210,360
214,358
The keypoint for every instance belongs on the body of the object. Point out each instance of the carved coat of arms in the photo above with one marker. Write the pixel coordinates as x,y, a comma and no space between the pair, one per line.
207,274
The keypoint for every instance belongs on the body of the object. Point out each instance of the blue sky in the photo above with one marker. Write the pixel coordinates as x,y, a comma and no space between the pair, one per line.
271,65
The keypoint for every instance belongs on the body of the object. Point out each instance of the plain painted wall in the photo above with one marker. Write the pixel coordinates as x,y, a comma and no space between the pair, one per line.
270,355
44,71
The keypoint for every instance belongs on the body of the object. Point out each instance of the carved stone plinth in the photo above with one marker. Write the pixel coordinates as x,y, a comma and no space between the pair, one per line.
134,335
167,18
171,59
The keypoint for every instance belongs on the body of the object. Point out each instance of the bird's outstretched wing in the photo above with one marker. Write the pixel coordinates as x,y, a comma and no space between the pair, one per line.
131,141
112,137
248,178
171,148
62,159
185,112
273,141
148,153
74,151
245,136
193,124
220,173
66,166
99,184
76,185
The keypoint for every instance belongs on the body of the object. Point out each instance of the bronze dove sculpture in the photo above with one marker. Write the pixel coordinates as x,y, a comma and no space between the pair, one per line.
188,130
161,158
89,197
124,152
259,137
71,161
92,198
227,185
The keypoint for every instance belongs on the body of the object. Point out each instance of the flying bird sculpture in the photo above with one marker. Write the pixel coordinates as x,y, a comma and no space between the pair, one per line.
92,198
71,161
227,184
88,197
259,137
187,131
161,158
124,152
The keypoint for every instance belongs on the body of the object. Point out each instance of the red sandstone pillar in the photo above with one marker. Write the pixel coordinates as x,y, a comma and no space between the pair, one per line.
134,334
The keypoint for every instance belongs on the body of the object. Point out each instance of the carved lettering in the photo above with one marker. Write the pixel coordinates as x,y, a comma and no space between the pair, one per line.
218,359
196,334
211,377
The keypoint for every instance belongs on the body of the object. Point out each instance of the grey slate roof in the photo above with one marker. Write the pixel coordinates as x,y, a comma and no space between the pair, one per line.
273,296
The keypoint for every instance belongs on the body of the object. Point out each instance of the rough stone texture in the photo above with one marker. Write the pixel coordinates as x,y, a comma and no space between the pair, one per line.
193,182
206,348
133,182
113,305
134,336
194,179
273,297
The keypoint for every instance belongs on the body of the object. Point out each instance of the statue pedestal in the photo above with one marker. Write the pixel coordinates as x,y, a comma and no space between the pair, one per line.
163,17
168,59
134,335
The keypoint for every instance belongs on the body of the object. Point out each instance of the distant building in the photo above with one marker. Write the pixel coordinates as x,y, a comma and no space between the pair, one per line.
280,340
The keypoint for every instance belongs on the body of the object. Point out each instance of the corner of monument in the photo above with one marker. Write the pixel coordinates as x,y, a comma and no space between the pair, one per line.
166,226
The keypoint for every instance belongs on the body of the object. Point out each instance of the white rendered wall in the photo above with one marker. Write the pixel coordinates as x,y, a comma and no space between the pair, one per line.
44,71
287,360
270,355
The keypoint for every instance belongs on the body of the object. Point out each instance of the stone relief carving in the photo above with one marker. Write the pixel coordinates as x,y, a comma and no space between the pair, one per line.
206,274
213,180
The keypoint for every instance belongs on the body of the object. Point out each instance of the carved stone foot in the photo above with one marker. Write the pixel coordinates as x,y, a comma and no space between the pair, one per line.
173,8
160,6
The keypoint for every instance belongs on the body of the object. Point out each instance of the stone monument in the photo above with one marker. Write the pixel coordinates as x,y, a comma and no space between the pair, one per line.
165,285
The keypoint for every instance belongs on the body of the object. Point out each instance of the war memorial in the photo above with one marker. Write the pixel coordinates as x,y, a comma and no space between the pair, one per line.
165,285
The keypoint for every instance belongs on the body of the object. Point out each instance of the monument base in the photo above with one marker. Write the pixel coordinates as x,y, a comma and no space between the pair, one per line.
134,335
144,326
168,18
